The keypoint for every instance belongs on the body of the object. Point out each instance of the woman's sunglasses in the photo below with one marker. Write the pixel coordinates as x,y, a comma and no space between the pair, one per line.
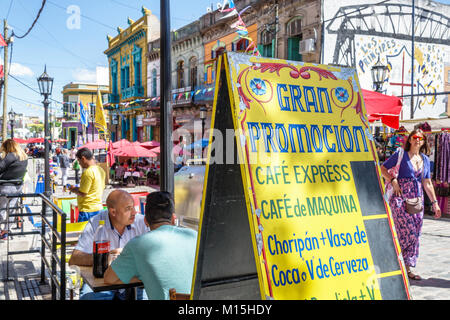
417,137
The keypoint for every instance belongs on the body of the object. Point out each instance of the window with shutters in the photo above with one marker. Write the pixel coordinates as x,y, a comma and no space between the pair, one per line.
193,72
294,31
180,74
267,44
154,83
242,45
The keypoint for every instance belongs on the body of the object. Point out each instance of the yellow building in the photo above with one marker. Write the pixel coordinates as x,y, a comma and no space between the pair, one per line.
127,58
73,94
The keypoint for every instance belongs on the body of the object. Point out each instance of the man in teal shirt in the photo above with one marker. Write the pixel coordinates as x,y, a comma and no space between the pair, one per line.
162,258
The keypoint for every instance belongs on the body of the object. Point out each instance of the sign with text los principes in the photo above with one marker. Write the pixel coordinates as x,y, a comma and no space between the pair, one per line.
319,225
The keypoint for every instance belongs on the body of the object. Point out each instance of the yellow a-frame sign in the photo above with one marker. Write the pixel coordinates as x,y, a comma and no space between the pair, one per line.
298,213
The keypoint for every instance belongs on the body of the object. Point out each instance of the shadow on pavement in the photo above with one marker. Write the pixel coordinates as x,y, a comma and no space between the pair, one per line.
431,282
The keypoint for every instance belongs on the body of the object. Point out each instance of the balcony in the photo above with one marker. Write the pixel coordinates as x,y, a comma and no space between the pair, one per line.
181,96
132,92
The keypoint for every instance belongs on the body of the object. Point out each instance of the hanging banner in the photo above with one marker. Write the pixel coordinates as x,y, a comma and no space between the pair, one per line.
311,189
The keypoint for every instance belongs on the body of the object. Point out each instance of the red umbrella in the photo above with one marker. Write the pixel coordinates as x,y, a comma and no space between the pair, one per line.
18,140
97,144
382,107
111,159
150,144
35,140
61,140
133,151
121,143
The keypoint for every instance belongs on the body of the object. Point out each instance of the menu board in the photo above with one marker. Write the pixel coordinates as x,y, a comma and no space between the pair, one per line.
318,224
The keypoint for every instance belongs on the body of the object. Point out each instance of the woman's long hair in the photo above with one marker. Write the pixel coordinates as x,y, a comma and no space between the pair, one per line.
424,148
9,146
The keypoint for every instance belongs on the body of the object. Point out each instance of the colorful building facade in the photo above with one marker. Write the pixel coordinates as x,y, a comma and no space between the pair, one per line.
74,94
127,58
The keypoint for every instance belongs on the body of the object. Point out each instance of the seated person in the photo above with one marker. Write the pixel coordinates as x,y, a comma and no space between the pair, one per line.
163,258
120,170
123,224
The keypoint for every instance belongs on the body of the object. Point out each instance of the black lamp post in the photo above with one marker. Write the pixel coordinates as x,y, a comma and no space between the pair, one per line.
12,121
203,118
45,83
379,72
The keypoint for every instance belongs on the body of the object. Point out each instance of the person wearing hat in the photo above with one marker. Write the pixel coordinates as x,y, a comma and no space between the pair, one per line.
163,258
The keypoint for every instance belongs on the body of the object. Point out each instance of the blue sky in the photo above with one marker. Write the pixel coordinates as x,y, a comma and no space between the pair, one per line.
72,54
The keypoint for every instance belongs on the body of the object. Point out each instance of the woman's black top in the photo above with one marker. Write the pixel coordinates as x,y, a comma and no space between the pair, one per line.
11,168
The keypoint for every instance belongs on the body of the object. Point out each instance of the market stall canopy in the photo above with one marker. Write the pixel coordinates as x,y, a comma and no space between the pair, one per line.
382,107
435,124
18,140
97,144
133,151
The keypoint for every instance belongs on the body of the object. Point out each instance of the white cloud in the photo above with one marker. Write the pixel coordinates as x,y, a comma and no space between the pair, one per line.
20,70
84,75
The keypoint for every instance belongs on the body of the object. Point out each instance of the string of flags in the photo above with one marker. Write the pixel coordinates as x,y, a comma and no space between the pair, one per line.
239,25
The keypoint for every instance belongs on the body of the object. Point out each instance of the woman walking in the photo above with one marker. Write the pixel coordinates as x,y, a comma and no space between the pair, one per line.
413,177
13,166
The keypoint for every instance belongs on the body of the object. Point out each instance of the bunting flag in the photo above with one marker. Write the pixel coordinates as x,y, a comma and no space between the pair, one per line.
239,25
2,42
83,115
100,120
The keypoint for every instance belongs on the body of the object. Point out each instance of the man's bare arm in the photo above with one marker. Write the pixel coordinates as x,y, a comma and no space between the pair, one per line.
81,258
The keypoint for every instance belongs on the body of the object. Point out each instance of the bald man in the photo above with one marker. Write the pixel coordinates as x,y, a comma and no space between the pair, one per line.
122,223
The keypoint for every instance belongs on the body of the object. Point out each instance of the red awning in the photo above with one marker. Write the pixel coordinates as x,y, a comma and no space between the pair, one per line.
382,107
133,150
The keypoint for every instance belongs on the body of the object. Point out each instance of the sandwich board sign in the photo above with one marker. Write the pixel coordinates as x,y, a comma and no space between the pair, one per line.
293,209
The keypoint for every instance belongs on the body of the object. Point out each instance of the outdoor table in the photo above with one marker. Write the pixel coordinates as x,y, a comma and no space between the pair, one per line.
98,284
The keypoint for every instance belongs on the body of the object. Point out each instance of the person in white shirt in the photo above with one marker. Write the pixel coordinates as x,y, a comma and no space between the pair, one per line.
122,223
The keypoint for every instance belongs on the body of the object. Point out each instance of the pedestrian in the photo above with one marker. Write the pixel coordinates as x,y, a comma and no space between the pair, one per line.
73,153
13,166
124,223
76,168
92,184
162,258
409,177
64,164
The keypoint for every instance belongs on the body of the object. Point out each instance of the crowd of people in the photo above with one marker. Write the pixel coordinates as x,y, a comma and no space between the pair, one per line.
127,172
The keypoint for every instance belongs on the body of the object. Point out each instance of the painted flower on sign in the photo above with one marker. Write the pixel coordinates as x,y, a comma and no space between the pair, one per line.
258,86
341,94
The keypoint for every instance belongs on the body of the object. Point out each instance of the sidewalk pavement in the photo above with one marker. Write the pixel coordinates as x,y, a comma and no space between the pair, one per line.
433,264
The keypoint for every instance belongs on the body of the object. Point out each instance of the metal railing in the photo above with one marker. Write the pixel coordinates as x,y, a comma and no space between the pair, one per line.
57,238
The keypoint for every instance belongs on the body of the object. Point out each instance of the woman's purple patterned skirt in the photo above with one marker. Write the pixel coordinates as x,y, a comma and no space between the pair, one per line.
408,226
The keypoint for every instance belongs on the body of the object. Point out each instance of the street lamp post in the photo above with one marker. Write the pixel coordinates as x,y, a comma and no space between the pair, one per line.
45,83
379,72
203,118
12,121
